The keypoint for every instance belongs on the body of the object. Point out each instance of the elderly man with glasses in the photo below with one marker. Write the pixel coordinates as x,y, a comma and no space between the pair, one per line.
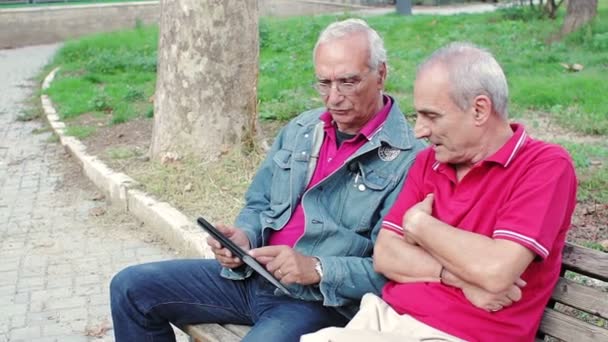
312,214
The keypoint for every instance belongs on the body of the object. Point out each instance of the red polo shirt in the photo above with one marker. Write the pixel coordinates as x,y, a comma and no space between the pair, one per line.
331,157
526,193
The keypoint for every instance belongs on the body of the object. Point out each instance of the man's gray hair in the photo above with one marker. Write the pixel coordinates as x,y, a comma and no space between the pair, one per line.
472,71
340,29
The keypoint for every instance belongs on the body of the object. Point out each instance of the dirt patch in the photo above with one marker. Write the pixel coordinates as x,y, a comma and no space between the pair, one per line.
542,127
134,135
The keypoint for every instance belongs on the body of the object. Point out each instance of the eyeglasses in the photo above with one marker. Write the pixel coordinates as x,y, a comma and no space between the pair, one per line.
345,86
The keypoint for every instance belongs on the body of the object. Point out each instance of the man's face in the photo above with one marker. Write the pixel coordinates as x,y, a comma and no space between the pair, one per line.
344,63
451,131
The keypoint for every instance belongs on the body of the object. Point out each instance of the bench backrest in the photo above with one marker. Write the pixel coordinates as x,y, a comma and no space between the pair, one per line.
578,310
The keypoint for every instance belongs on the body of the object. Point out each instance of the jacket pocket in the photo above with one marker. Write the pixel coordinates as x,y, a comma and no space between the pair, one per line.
279,189
364,201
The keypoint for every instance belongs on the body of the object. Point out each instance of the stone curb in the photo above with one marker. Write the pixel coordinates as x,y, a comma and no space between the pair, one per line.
122,191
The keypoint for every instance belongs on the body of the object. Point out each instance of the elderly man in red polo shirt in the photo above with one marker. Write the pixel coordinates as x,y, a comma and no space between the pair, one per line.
473,244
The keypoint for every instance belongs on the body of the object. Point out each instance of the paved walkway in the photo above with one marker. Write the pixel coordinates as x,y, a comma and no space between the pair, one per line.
56,256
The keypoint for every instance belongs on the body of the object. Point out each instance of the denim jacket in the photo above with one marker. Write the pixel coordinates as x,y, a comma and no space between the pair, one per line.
343,212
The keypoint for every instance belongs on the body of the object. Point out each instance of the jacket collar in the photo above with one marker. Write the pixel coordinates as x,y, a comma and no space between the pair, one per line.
395,131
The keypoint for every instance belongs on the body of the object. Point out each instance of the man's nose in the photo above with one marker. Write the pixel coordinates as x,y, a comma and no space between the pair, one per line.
334,96
421,130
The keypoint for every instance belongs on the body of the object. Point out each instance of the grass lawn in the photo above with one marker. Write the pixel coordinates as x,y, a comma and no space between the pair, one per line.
115,73
112,76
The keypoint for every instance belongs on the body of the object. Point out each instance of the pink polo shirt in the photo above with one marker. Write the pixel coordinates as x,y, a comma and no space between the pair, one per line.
331,157
526,193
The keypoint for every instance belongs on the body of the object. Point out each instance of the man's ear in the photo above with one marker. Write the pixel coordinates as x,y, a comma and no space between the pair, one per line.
382,72
482,105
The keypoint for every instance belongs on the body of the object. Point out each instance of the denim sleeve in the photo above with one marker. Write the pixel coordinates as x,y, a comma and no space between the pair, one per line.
257,199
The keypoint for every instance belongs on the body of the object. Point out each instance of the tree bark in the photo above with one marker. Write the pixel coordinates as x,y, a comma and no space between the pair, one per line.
579,13
207,77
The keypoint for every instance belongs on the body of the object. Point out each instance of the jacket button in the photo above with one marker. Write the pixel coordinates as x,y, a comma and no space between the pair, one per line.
361,187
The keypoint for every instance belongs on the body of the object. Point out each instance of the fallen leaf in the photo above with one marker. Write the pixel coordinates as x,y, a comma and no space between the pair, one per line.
577,67
97,211
98,330
169,157
224,149
98,196
189,187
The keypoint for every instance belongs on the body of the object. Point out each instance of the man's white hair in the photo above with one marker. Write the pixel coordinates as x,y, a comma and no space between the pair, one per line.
472,71
340,29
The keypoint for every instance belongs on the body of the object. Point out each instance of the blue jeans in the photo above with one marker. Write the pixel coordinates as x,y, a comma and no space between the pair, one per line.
145,298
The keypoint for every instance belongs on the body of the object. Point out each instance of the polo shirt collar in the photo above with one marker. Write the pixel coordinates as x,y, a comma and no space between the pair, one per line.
510,150
371,126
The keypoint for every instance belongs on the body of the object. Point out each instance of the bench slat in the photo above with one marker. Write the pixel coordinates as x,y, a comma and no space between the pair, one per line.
238,330
585,298
586,261
210,333
568,328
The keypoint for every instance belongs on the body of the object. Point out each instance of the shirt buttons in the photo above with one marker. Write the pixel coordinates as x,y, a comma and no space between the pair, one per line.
306,135
303,153
361,187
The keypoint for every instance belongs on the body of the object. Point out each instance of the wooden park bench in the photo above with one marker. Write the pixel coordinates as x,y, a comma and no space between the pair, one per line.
578,310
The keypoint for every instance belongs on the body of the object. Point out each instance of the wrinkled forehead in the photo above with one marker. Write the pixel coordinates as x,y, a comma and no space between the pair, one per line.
342,56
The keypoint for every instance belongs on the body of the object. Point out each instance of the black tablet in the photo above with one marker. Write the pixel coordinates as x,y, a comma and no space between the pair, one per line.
240,253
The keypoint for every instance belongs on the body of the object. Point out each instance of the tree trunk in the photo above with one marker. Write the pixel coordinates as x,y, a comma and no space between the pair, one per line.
579,12
207,74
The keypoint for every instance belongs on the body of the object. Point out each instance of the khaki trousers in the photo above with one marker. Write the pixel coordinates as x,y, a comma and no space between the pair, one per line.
377,321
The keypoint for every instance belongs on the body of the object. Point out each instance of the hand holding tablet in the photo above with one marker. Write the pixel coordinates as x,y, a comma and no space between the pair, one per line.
240,253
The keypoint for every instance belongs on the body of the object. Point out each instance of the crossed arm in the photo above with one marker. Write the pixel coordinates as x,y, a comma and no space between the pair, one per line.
487,270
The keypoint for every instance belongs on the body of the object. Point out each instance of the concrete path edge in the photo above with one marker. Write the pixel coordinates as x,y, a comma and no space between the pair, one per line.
122,191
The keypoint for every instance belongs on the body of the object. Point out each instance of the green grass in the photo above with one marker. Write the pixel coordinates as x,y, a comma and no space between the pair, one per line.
112,74
109,70
79,131
590,160
122,152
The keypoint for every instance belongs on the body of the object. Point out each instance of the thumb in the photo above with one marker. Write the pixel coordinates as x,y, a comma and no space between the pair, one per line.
225,229
429,198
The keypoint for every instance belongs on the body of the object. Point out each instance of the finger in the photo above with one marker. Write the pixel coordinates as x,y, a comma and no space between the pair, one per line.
274,265
264,260
505,302
225,229
520,282
494,308
288,279
227,260
224,252
213,243
268,251
514,293
277,274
